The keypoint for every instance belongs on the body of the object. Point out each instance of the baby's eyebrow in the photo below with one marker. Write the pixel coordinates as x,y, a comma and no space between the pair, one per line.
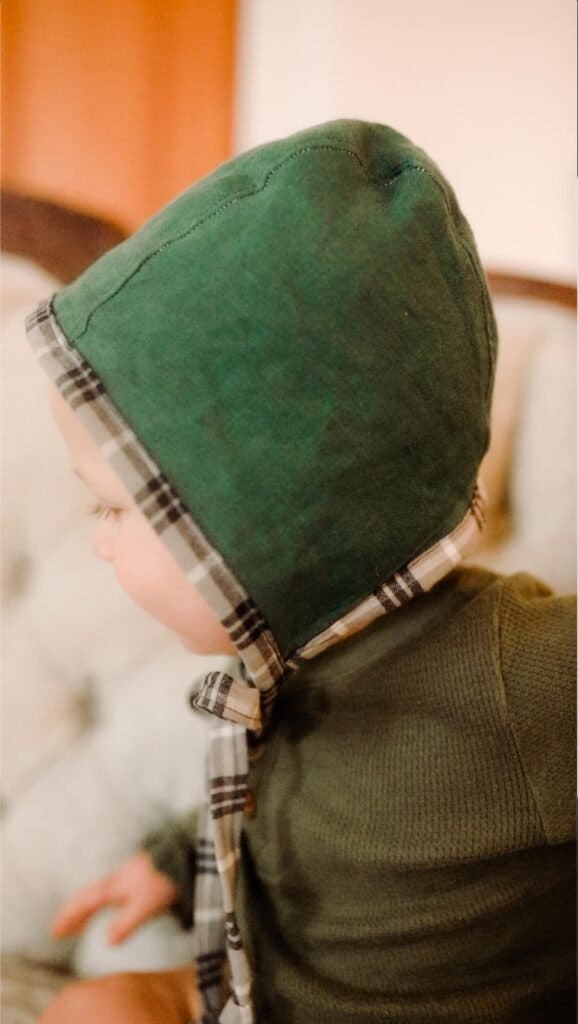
80,475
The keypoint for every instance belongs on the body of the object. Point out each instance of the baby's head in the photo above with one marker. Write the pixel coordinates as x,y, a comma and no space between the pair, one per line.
143,566
282,382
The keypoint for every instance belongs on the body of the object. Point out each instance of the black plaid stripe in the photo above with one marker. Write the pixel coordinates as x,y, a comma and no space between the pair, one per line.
214,692
40,315
158,495
228,780
80,385
384,598
410,581
205,859
205,844
209,968
398,590
269,697
220,812
206,868
245,624
228,794
270,656
232,932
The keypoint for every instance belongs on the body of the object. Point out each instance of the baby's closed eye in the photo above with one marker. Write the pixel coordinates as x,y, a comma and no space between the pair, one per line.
103,511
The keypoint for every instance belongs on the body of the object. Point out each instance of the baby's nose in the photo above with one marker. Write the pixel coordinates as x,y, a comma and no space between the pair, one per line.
102,541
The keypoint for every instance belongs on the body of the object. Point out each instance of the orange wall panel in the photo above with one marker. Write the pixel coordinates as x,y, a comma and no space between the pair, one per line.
115,107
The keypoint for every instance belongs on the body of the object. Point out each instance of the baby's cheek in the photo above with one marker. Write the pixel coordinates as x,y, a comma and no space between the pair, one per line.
138,578
146,572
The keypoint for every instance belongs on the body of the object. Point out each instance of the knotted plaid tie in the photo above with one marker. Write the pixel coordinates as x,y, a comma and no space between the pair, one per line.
237,702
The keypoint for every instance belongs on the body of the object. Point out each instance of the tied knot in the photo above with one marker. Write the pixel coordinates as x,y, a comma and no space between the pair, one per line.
231,698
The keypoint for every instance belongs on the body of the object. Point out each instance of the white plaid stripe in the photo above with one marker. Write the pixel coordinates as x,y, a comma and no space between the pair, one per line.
245,701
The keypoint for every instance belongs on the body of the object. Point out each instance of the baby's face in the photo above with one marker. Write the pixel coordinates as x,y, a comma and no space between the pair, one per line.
144,567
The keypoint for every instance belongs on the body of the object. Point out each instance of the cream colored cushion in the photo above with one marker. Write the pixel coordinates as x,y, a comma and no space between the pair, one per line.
531,465
99,744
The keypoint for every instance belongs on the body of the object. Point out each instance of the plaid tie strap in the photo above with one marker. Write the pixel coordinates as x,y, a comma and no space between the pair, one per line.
237,700
246,709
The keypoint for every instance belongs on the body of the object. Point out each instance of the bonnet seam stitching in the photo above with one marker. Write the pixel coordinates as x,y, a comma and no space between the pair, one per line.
232,200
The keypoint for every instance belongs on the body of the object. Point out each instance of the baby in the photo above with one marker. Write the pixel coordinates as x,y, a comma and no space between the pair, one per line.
278,391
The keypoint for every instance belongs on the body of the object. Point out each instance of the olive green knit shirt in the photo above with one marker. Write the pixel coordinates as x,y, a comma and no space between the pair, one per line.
411,856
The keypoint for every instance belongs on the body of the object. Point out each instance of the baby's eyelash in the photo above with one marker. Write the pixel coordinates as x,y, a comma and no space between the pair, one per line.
101,511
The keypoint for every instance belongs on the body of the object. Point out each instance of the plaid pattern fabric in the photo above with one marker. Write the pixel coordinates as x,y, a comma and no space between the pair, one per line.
418,576
241,703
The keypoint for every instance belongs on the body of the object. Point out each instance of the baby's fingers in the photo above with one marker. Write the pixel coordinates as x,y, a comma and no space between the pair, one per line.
126,921
72,917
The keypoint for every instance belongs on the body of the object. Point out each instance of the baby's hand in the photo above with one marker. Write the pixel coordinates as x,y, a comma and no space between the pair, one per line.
137,888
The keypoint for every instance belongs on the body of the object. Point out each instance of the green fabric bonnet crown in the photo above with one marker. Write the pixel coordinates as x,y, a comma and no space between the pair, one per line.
303,342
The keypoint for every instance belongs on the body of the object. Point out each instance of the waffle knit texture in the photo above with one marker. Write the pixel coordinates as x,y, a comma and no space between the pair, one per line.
411,857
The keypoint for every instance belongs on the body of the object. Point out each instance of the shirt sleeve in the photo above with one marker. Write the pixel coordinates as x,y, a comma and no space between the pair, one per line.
171,847
538,661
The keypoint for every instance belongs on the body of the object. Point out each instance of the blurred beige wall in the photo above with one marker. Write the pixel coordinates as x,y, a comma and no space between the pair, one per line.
488,89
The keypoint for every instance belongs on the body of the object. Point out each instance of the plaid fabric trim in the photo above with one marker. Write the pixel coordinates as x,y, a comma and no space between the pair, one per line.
228,778
228,774
229,752
417,577
156,498
245,702
230,698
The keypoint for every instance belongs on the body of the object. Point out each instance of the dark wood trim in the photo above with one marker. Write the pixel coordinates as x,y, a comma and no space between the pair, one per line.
532,287
62,240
